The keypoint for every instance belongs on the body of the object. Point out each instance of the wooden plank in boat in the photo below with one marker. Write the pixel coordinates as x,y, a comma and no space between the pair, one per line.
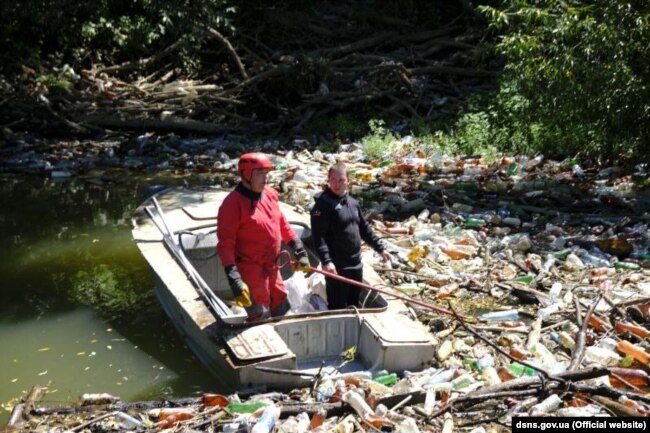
397,328
255,343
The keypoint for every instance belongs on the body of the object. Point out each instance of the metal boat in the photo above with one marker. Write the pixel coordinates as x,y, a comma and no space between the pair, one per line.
176,232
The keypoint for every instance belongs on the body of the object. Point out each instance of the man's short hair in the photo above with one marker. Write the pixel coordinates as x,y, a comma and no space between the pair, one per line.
339,167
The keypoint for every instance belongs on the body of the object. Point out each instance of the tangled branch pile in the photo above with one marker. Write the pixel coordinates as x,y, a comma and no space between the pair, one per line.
283,70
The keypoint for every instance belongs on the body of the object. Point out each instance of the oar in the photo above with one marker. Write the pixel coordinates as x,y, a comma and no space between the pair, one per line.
218,306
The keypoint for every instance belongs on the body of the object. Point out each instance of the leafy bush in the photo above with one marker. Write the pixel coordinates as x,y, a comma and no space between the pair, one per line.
380,142
576,77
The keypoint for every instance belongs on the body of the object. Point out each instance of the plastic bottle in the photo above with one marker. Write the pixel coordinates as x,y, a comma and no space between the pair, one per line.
268,419
387,379
246,407
550,404
636,377
627,266
634,351
408,425
519,353
602,356
639,331
358,403
127,421
484,362
490,376
474,222
550,310
566,340
462,381
500,316
424,215
169,417
318,418
215,400
102,398
598,324
325,390
519,370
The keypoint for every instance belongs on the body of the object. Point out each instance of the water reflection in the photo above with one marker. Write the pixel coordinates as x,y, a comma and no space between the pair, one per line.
78,310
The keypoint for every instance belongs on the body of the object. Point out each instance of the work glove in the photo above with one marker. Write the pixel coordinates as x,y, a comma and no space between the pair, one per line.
299,251
238,286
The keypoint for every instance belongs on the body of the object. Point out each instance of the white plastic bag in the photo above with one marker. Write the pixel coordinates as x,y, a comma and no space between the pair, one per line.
298,293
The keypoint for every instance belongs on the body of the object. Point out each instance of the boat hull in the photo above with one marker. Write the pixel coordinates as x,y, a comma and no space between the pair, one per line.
384,332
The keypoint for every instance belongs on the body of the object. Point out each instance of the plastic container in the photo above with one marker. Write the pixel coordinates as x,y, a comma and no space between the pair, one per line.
268,419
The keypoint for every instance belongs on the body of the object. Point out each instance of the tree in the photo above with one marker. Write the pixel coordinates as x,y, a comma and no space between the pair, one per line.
581,69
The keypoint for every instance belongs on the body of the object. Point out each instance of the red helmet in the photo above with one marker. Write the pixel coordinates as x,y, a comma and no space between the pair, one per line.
251,161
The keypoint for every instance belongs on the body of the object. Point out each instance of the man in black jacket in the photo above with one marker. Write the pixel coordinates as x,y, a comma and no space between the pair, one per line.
338,226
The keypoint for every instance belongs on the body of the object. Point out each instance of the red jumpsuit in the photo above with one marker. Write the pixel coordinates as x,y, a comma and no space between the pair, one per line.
250,229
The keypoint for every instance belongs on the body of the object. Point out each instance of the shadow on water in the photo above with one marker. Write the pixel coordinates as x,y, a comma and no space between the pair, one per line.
78,312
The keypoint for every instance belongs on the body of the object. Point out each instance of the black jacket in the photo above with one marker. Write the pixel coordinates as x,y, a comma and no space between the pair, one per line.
338,225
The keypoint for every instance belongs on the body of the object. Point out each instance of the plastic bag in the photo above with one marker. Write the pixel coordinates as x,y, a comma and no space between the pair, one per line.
298,293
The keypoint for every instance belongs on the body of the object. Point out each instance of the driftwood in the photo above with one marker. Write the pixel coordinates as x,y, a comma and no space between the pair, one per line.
298,69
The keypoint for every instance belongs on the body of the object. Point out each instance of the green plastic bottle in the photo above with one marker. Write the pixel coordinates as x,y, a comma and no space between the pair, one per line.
474,222
246,407
627,266
386,379
526,279
519,370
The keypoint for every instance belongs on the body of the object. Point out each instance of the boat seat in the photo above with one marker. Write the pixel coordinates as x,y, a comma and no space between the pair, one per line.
395,341
255,343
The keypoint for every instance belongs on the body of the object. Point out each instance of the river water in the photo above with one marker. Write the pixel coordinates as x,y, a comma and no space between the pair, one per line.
78,312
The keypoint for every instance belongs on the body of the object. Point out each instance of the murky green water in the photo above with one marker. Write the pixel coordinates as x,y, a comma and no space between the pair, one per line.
78,313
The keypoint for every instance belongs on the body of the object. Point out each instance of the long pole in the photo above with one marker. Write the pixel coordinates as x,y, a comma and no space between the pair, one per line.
386,292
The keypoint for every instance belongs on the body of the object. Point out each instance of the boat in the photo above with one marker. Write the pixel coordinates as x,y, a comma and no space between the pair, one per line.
175,230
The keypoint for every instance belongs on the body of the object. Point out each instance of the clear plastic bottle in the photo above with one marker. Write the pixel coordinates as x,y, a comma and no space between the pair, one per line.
268,419
500,316
358,403
550,404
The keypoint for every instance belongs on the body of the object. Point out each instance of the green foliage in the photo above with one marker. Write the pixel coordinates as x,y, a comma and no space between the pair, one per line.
576,77
54,85
380,143
113,30
105,290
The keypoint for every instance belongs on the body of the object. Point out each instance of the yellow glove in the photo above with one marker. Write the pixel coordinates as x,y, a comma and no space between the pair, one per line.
244,300
302,264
